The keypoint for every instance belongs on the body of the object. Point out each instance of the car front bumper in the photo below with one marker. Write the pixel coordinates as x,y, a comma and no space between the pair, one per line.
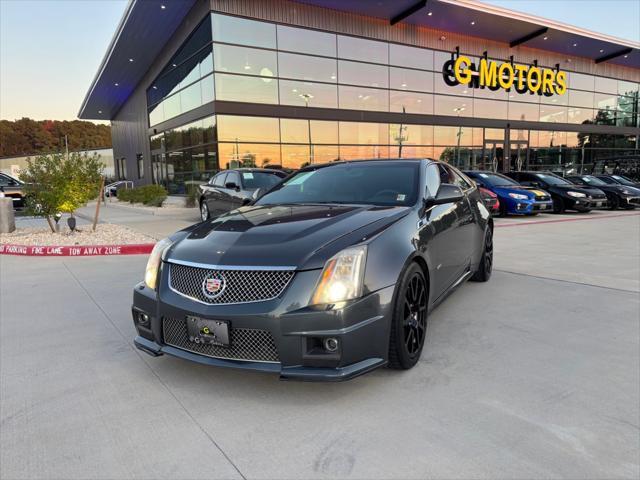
630,201
528,207
276,336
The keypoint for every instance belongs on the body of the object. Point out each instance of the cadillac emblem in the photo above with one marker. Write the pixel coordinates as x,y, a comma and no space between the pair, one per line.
213,285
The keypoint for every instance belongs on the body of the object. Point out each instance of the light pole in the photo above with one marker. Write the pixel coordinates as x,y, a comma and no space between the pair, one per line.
458,110
307,97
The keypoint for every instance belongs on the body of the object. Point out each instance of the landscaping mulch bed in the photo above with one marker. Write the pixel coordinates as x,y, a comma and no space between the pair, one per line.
105,234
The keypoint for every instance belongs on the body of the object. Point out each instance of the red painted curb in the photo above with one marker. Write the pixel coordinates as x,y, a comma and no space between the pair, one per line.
75,250
562,220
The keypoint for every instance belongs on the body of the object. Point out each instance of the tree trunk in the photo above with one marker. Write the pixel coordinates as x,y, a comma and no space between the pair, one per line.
53,229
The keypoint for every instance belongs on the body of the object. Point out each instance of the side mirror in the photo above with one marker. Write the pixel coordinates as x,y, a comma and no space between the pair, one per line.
447,193
232,185
246,201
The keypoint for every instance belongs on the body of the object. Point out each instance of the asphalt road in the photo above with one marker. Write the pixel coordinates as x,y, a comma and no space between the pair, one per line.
534,374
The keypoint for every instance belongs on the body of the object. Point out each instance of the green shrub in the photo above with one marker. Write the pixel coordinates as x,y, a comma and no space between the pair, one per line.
61,183
152,195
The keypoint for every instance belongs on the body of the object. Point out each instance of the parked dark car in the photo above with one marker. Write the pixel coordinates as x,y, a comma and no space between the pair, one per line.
618,180
490,200
231,189
515,199
565,195
14,189
618,196
327,276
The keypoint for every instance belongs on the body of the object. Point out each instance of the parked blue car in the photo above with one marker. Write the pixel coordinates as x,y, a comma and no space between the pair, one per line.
514,198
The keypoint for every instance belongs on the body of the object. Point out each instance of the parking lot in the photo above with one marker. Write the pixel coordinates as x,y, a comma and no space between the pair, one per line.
534,374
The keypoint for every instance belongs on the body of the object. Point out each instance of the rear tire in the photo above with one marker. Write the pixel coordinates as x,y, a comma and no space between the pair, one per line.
409,324
485,267
204,211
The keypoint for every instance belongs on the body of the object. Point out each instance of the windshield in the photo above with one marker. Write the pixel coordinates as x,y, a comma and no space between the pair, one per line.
496,180
252,180
552,179
370,183
592,180
623,180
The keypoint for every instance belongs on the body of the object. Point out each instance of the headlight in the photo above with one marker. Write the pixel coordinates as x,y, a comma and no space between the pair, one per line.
153,264
627,192
576,194
518,196
342,277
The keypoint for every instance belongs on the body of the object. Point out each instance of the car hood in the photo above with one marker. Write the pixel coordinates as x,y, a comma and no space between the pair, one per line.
301,236
576,188
514,189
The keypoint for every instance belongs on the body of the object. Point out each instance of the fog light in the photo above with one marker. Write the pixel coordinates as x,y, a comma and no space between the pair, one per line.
143,319
330,344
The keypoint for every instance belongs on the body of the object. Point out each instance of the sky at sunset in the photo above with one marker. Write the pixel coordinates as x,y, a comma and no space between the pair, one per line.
50,50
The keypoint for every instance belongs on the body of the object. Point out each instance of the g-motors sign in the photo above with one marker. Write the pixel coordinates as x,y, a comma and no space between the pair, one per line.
494,76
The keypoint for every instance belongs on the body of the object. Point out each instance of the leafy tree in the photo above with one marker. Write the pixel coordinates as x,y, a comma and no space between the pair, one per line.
27,136
55,183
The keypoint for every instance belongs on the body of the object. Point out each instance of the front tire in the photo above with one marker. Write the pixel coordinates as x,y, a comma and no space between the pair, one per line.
409,324
204,211
614,203
485,267
558,205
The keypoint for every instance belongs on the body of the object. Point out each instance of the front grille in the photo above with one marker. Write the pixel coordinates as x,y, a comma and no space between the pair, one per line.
238,286
246,343
543,198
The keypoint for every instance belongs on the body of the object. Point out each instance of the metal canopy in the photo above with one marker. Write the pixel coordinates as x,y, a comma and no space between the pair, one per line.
469,17
142,33
146,27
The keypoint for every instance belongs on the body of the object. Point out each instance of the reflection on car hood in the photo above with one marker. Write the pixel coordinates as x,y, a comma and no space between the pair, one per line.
577,188
282,235
515,189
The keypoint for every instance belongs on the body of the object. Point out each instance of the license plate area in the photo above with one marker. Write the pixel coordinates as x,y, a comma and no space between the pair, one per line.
208,332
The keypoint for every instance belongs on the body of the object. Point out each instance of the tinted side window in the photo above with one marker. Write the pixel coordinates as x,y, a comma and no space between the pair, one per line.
219,180
233,177
4,181
433,180
460,181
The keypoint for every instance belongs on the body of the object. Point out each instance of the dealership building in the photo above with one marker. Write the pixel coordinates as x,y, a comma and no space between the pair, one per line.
195,86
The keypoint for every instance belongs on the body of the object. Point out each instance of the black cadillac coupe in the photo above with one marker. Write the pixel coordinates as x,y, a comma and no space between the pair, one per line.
330,274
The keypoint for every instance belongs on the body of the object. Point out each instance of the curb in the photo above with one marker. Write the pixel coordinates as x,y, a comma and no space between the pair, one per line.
75,250
563,220
155,211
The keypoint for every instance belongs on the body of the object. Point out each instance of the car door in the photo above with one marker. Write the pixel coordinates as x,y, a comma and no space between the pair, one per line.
215,196
233,190
470,235
441,235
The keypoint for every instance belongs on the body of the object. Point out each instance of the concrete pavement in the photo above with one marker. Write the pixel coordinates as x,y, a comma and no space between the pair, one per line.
144,221
534,374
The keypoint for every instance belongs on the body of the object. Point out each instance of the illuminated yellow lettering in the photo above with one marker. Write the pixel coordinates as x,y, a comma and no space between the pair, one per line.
505,69
561,83
547,81
521,69
488,73
533,86
463,75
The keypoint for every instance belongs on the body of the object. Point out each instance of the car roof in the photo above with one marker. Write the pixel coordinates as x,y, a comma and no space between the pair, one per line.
250,169
367,160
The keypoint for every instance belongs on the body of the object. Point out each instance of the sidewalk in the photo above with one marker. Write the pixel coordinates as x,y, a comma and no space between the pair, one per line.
156,226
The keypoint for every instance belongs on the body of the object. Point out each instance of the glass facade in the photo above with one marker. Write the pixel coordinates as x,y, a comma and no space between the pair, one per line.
254,62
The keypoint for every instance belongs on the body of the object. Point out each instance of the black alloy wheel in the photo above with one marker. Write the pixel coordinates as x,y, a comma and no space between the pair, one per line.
485,267
409,325
204,211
